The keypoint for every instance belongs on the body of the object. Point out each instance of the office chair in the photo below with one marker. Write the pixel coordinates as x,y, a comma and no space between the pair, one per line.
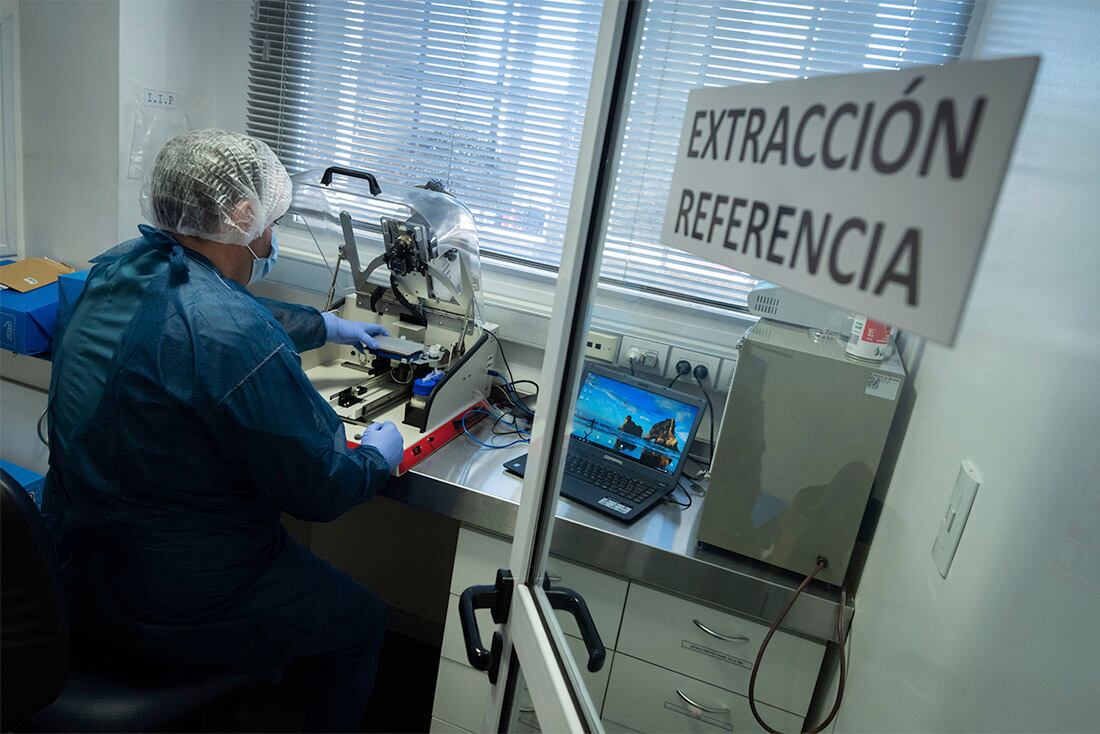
53,681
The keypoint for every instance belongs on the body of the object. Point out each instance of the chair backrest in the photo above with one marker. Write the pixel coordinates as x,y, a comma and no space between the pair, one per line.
34,657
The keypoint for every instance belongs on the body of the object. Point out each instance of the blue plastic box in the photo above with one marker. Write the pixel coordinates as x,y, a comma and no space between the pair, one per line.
30,481
72,285
27,319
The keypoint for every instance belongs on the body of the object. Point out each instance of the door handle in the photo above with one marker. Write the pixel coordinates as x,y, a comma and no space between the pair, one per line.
498,600
567,600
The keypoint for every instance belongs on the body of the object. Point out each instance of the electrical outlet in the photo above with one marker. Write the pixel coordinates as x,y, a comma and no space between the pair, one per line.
713,364
650,357
602,346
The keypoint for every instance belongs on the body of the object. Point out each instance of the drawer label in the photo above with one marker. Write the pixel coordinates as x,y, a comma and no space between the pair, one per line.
698,715
716,654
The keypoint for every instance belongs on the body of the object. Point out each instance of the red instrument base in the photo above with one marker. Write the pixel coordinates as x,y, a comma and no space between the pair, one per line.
435,440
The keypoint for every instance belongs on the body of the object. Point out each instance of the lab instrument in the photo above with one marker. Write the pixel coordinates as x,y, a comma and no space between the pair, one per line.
799,446
422,282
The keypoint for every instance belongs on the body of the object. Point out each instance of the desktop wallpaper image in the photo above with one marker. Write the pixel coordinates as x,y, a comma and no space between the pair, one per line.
650,429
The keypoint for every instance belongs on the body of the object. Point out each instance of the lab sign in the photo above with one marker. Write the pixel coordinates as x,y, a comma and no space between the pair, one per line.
870,191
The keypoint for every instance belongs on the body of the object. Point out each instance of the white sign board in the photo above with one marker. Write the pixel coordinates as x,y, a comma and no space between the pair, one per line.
869,191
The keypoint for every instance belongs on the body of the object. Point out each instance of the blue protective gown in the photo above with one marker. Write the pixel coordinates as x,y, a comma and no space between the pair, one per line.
181,425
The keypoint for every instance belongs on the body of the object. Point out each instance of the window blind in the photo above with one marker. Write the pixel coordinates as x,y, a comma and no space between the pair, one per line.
693,43
487,96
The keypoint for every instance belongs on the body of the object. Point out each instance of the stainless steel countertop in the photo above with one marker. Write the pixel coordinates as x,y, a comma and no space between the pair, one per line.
468,483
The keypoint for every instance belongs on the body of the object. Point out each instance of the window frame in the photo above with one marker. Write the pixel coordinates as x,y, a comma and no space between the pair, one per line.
11,190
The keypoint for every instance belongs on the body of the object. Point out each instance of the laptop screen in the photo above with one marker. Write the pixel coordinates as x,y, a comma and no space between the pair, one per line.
650,429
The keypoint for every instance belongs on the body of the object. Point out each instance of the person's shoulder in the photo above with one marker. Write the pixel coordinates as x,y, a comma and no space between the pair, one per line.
224,312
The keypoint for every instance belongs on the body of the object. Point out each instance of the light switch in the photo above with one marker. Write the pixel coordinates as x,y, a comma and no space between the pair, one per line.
954,519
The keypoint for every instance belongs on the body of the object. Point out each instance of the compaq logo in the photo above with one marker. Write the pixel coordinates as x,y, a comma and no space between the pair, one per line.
612,458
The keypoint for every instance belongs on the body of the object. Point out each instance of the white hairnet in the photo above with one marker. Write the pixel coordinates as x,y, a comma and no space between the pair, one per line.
217,185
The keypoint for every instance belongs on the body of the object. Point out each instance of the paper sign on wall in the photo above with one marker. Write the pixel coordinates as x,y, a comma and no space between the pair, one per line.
871,191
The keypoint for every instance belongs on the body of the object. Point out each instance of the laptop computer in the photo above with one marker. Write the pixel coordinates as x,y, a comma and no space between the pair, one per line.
628,445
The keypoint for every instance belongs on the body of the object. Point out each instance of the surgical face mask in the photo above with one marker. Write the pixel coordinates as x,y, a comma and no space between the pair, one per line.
261,266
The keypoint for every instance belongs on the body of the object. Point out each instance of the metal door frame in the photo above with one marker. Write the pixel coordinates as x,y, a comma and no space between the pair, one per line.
531,635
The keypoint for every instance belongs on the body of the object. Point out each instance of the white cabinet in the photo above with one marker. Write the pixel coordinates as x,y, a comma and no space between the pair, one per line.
462,692
719,648
479,556
643,697
675,665
460,695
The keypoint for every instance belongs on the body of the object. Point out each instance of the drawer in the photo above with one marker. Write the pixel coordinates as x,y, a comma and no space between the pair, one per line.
438,726
478,557
661,629
596,683
460,695
454,650
644,697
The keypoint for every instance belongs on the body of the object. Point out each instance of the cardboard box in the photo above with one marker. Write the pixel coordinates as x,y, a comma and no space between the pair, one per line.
31,273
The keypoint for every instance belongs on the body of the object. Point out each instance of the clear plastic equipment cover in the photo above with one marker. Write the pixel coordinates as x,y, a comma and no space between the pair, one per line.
452,234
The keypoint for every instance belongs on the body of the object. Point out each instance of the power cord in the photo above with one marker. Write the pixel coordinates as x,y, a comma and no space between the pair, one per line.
822,563
41,437
700,373
670,499
511,376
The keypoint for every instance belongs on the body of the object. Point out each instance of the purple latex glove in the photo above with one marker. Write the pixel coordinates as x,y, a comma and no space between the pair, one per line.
387,439
352,333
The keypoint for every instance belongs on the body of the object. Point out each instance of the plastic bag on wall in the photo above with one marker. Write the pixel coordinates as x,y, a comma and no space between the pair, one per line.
154,125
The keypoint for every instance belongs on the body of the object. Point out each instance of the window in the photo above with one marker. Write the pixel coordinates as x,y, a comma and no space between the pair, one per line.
693,43
489,97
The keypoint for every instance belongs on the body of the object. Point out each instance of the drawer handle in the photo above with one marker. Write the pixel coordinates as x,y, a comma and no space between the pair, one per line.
553,579
524,710
719,635
701,707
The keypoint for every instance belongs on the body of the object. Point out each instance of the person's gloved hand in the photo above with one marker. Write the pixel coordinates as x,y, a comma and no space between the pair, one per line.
387,439
352,333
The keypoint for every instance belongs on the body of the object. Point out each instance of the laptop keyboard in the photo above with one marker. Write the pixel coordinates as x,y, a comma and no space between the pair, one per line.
609,480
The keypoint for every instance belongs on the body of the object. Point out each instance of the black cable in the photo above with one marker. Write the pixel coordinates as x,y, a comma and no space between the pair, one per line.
710,406
672,500
511,376
416,313
673,380
630,360
45,441
524,382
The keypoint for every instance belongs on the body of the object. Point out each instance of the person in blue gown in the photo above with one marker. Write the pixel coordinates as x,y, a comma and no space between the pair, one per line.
182,425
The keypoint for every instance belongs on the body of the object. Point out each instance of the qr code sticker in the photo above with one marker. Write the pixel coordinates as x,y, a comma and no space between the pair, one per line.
882,386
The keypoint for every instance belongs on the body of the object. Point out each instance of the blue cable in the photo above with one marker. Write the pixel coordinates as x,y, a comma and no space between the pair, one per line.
482,443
